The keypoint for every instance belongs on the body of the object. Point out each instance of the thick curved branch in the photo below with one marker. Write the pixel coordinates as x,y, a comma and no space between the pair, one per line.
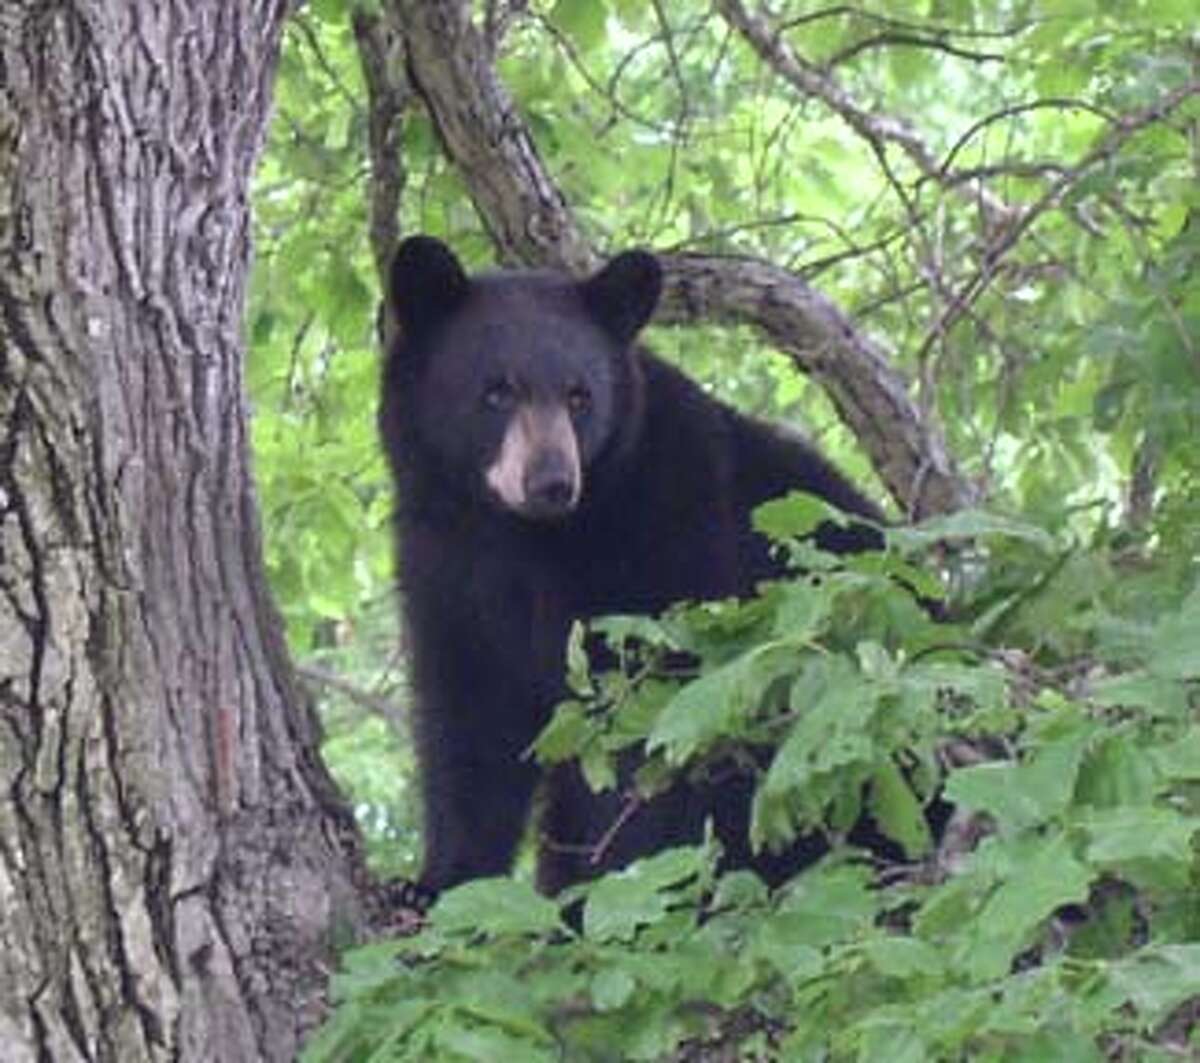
518,202
530,222
905,446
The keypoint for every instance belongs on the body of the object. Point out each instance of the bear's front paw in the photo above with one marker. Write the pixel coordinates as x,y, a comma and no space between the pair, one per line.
410,894
405,904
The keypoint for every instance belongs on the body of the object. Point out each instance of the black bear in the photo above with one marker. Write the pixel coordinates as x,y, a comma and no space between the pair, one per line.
547,469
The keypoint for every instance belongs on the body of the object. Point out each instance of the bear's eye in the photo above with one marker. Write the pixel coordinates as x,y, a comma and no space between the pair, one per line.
499,394
579,400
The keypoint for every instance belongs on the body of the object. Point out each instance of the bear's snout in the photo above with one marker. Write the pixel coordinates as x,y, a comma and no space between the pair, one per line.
537,472
551,486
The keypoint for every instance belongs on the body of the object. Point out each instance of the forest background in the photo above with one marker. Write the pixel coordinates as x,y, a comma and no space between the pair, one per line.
954,241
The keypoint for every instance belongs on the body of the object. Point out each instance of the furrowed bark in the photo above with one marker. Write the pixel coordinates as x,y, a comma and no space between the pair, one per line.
173,858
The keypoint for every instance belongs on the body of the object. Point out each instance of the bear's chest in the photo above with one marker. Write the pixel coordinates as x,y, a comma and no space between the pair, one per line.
646,566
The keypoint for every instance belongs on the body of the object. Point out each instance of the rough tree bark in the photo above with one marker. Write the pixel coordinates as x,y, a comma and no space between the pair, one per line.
451,69
173,858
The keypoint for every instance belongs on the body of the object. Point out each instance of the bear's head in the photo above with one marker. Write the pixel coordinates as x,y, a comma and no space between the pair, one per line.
518,383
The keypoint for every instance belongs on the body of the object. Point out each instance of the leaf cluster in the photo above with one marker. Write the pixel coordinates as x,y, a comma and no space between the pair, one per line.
1064,927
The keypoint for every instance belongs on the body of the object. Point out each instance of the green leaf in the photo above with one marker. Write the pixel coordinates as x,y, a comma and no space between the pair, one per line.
620,629
1180,759
1158,980
578,666
349,303
495,905
802,610
827,904
1175,645
991,788
795,515
1116,773
581,20
330,10
620,904
503,1022
598,767
969,524
1136,689
1123,835
826,756
783,945
711,707
898,812
739,888
984,687
1022,795
564,735
612,988
1045,877
900,957
896,1042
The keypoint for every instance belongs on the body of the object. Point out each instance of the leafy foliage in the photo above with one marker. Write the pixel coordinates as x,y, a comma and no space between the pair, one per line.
1070,929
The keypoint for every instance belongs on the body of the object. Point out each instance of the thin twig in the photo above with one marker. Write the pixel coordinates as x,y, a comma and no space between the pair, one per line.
1007,237
367,699
878,129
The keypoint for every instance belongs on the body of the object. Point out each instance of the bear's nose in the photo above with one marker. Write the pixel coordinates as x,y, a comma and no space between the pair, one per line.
550,489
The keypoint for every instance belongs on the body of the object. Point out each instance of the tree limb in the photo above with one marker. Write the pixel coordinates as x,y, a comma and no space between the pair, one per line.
521,206
388,96
905,446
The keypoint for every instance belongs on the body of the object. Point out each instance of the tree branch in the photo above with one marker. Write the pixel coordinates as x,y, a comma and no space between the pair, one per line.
1004,240
522,208
316,676
906,448
529,220
380,49
878,129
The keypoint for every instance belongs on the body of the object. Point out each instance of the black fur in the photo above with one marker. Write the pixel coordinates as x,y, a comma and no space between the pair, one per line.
670,476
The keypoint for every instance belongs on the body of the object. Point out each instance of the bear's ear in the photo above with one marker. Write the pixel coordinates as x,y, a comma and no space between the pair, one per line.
623,295
427,283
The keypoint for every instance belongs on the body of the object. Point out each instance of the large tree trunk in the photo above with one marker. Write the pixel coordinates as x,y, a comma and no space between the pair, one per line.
172,856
